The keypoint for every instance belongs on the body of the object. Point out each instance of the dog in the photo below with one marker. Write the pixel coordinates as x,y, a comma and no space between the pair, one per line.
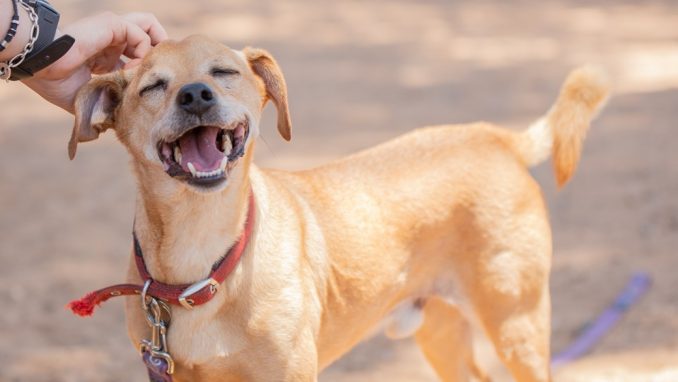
433,232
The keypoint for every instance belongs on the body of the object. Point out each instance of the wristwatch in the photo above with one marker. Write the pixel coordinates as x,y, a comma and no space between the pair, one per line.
46,50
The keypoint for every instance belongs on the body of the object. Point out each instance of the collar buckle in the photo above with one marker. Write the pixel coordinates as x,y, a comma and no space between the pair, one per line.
187,302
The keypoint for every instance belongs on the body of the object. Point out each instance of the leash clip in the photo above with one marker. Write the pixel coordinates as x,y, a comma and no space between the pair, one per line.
155,351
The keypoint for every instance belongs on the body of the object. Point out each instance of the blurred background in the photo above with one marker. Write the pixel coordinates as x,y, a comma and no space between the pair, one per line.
359,73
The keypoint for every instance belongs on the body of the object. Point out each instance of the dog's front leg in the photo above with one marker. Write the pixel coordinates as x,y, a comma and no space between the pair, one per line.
286,361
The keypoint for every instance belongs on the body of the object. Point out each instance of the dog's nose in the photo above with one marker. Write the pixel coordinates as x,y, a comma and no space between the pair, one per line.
196,98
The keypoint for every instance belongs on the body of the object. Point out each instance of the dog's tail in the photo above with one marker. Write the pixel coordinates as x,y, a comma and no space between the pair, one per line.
561,131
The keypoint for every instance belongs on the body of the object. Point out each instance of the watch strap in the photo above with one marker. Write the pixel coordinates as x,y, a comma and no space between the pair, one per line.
41,59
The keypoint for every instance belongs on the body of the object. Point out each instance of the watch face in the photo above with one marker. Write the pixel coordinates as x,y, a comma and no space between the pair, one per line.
48,19
45,10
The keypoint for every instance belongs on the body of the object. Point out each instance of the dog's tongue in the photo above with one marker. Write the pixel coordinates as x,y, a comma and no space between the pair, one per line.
199,146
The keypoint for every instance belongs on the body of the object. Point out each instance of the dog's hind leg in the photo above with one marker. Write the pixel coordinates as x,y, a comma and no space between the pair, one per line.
520,334
445,339
510,297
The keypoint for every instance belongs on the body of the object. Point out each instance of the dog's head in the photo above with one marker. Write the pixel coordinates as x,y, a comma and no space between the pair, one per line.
189,112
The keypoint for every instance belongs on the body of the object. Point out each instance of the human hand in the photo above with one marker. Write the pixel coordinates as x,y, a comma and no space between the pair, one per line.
100,43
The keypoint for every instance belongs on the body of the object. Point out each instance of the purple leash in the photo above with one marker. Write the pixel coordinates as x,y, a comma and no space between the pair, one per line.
593,332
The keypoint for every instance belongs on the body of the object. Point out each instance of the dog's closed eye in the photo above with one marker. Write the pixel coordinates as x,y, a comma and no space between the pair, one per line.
157,85
223,72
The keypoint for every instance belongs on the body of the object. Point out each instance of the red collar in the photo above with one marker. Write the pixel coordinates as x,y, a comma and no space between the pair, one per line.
187,295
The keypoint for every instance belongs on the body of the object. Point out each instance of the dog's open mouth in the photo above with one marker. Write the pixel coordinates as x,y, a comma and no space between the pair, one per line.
204,155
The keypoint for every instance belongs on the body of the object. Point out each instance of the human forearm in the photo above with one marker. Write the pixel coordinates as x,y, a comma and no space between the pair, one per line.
23,32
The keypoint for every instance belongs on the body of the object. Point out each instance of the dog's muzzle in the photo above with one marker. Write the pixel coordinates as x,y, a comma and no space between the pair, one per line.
204,155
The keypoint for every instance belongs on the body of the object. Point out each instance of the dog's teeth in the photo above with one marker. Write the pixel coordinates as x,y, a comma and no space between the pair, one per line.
226,146
166,150
177,154
207,174
191,168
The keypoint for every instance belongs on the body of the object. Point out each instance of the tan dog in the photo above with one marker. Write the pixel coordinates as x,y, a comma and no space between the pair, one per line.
456,234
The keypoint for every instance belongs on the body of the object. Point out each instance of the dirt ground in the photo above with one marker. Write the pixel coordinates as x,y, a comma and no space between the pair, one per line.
359,73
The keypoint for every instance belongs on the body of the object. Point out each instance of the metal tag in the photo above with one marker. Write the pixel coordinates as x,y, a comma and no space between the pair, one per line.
157,368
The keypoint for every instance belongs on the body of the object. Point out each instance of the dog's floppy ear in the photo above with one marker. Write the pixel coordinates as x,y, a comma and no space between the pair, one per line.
95,106
265,66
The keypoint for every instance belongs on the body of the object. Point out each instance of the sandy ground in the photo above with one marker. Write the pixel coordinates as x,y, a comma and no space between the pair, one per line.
361,72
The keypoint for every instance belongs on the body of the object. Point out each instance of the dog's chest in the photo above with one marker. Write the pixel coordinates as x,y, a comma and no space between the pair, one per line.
196,338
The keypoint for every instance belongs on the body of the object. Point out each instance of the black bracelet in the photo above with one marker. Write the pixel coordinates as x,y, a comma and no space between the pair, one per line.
12,27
